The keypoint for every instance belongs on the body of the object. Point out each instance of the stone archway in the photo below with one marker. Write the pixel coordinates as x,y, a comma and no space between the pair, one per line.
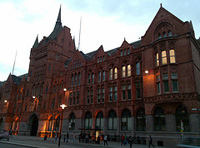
33,125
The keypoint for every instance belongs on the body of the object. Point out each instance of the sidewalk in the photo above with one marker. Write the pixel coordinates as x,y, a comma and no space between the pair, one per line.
38,142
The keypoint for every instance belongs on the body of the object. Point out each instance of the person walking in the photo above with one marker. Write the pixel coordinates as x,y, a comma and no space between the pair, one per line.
122,140
130,140
150,141
105,140
67,138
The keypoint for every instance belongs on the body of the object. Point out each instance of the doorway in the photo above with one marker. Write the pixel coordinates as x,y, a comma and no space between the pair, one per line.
33,125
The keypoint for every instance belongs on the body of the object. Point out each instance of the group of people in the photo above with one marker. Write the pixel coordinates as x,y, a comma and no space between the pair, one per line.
85,137
129,140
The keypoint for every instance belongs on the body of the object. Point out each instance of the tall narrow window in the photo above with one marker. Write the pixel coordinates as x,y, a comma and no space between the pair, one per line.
103,95
159,119
169,33
141,120
123,92
115,73
75,79
103,77
121,52
129,92
164,34
99,95
72,82
174,78
91,95
128,70
77,99
182,116
111,74
157,59
72,121
172,56
115,93
79,79
126,121
123,72
88,96
99,121
92,78
110,94
99,76
138,90
88,121
112,120
128,51
165,82
158,83
137,68
89,78
164,57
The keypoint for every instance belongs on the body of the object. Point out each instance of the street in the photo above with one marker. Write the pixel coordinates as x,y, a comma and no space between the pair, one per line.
10,146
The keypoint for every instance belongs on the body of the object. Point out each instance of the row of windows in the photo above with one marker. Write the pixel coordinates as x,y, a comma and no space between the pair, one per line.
76,80
164,34
172,58
165,81
125,52
126,72
100,59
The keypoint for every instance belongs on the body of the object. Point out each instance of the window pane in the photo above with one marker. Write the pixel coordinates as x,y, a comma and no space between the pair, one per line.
138,68
175,85
129,70
115,73
164,57
123,71
172,56
166,86
111,74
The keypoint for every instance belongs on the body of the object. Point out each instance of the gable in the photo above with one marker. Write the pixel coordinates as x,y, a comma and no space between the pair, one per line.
164,24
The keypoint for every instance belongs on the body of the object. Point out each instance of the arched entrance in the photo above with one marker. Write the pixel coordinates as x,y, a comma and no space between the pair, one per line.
33,125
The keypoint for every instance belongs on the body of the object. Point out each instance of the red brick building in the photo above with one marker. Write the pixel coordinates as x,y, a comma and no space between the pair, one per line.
145,87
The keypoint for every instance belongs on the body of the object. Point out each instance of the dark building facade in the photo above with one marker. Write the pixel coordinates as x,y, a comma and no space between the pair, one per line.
147,87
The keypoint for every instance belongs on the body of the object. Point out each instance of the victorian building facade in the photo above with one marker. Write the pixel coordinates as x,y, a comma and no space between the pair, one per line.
150,86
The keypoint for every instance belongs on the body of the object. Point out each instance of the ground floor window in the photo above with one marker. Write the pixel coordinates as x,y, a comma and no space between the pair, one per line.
126,120
141,120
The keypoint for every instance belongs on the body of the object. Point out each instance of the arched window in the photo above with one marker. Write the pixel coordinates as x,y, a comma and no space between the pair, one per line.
57,124
72,121
128,70
126,120
159,36
140,120
112,120
159,119
182,115
169,33
164,34
99,121
88,121
50,124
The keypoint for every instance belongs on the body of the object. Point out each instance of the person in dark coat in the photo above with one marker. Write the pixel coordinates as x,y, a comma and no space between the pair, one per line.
150,141
130,141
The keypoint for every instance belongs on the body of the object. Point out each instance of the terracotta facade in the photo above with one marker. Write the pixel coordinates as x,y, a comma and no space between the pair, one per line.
150,86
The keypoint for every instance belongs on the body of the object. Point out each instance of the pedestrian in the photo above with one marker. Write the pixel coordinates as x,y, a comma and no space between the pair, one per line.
130,140
67,138
105,140
56,137
64,138
150,141
125,139
74,137
122,140
98,139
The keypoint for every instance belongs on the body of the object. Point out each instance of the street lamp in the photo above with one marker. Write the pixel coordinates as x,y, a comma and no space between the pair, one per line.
5,101
60,129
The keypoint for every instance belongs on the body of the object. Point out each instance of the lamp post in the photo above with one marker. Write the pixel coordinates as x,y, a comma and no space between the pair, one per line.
60,129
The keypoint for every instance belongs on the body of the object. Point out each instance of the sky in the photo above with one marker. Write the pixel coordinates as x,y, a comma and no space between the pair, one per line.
104,22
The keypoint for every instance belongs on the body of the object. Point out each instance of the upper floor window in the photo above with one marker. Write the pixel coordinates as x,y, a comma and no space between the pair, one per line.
157,59
92,77
103,76
128,70
138,68
169,33
115,73
79,79
165,82
172,56
123,72
174,78
159,36
111,74
99,79
158,83
89,78
164,34
164,57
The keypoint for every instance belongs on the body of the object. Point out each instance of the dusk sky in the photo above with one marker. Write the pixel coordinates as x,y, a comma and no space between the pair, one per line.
104,22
